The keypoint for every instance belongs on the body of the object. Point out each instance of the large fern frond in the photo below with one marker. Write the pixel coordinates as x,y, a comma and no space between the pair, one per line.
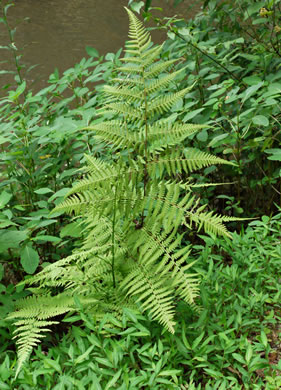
30,333
159,84
100,172
33,314
158,68
80,203
171,263
162,134
159,274
114,133
154,296
129,112
175,162
140,37
164,103
211,222
131,95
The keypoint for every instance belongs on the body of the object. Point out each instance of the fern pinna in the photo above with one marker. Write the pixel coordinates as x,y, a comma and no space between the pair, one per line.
135,208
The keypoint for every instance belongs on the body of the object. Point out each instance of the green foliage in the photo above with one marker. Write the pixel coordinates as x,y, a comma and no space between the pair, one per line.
136,209
234,343
232,49
41,145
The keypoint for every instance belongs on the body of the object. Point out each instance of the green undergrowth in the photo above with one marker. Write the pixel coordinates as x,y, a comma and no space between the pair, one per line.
41,148
232,344
232,51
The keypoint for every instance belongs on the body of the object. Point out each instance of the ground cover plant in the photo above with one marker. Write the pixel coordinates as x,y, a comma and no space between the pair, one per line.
234,343
233,339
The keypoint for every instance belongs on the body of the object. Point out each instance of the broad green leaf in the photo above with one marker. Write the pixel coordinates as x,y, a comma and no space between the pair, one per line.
3,140
274,88
273,150
192,114
260,120
104,362
271,102
171,35
19,90
254,8
12,238
68,172
169,372
84,355
219,92
59,194
92,52
265,218
213,373
70,351
249,353
239,358
227,44
95,382
217,139
184,339
46,223
5,223
4,198
4,386
260,21
184,31
43,191
29,259
112,382
264,339
251,91
211,102
202,136
252,80
197,341
249,57
53,364
275,154
275,157
136,6
110,57
47,238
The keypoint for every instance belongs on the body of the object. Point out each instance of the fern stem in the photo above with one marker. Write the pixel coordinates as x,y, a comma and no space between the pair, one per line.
146,136
113,240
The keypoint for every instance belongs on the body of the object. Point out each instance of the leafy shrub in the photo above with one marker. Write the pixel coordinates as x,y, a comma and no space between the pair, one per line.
232,49
42,145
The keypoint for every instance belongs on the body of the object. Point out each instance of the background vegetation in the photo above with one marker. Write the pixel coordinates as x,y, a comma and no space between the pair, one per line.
232,51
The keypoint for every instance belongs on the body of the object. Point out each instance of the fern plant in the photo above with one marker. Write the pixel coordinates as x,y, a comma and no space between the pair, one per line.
136,209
